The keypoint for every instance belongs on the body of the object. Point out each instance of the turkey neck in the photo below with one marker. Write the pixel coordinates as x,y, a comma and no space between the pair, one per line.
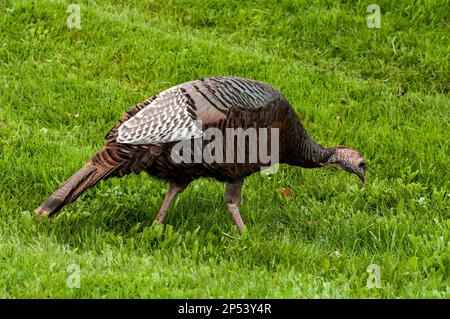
301,149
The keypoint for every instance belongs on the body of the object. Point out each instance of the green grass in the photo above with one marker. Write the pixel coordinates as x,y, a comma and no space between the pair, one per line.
61,90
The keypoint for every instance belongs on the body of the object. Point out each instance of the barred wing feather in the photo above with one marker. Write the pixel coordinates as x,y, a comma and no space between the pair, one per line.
179,112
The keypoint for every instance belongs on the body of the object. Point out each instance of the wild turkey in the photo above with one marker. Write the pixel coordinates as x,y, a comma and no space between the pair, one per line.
146,135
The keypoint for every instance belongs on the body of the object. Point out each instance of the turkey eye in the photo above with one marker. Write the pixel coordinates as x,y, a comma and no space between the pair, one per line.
362,165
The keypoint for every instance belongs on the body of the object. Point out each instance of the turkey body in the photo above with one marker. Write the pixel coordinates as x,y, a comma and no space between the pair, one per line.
259,106
145,137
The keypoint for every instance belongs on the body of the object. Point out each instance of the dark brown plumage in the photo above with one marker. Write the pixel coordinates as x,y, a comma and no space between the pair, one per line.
147,135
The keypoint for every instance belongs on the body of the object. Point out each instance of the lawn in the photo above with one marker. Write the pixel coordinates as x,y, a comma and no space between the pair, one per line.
383,91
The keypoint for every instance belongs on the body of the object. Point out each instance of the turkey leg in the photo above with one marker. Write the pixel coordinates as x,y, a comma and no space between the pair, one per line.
174,190
233,199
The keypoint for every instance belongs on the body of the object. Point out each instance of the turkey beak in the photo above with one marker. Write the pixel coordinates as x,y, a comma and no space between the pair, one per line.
362,177
360,171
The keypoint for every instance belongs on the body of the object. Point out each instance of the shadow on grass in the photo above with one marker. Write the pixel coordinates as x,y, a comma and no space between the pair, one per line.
108,211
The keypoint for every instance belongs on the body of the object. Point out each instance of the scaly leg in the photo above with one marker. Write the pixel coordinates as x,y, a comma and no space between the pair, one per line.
174,190
233,199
